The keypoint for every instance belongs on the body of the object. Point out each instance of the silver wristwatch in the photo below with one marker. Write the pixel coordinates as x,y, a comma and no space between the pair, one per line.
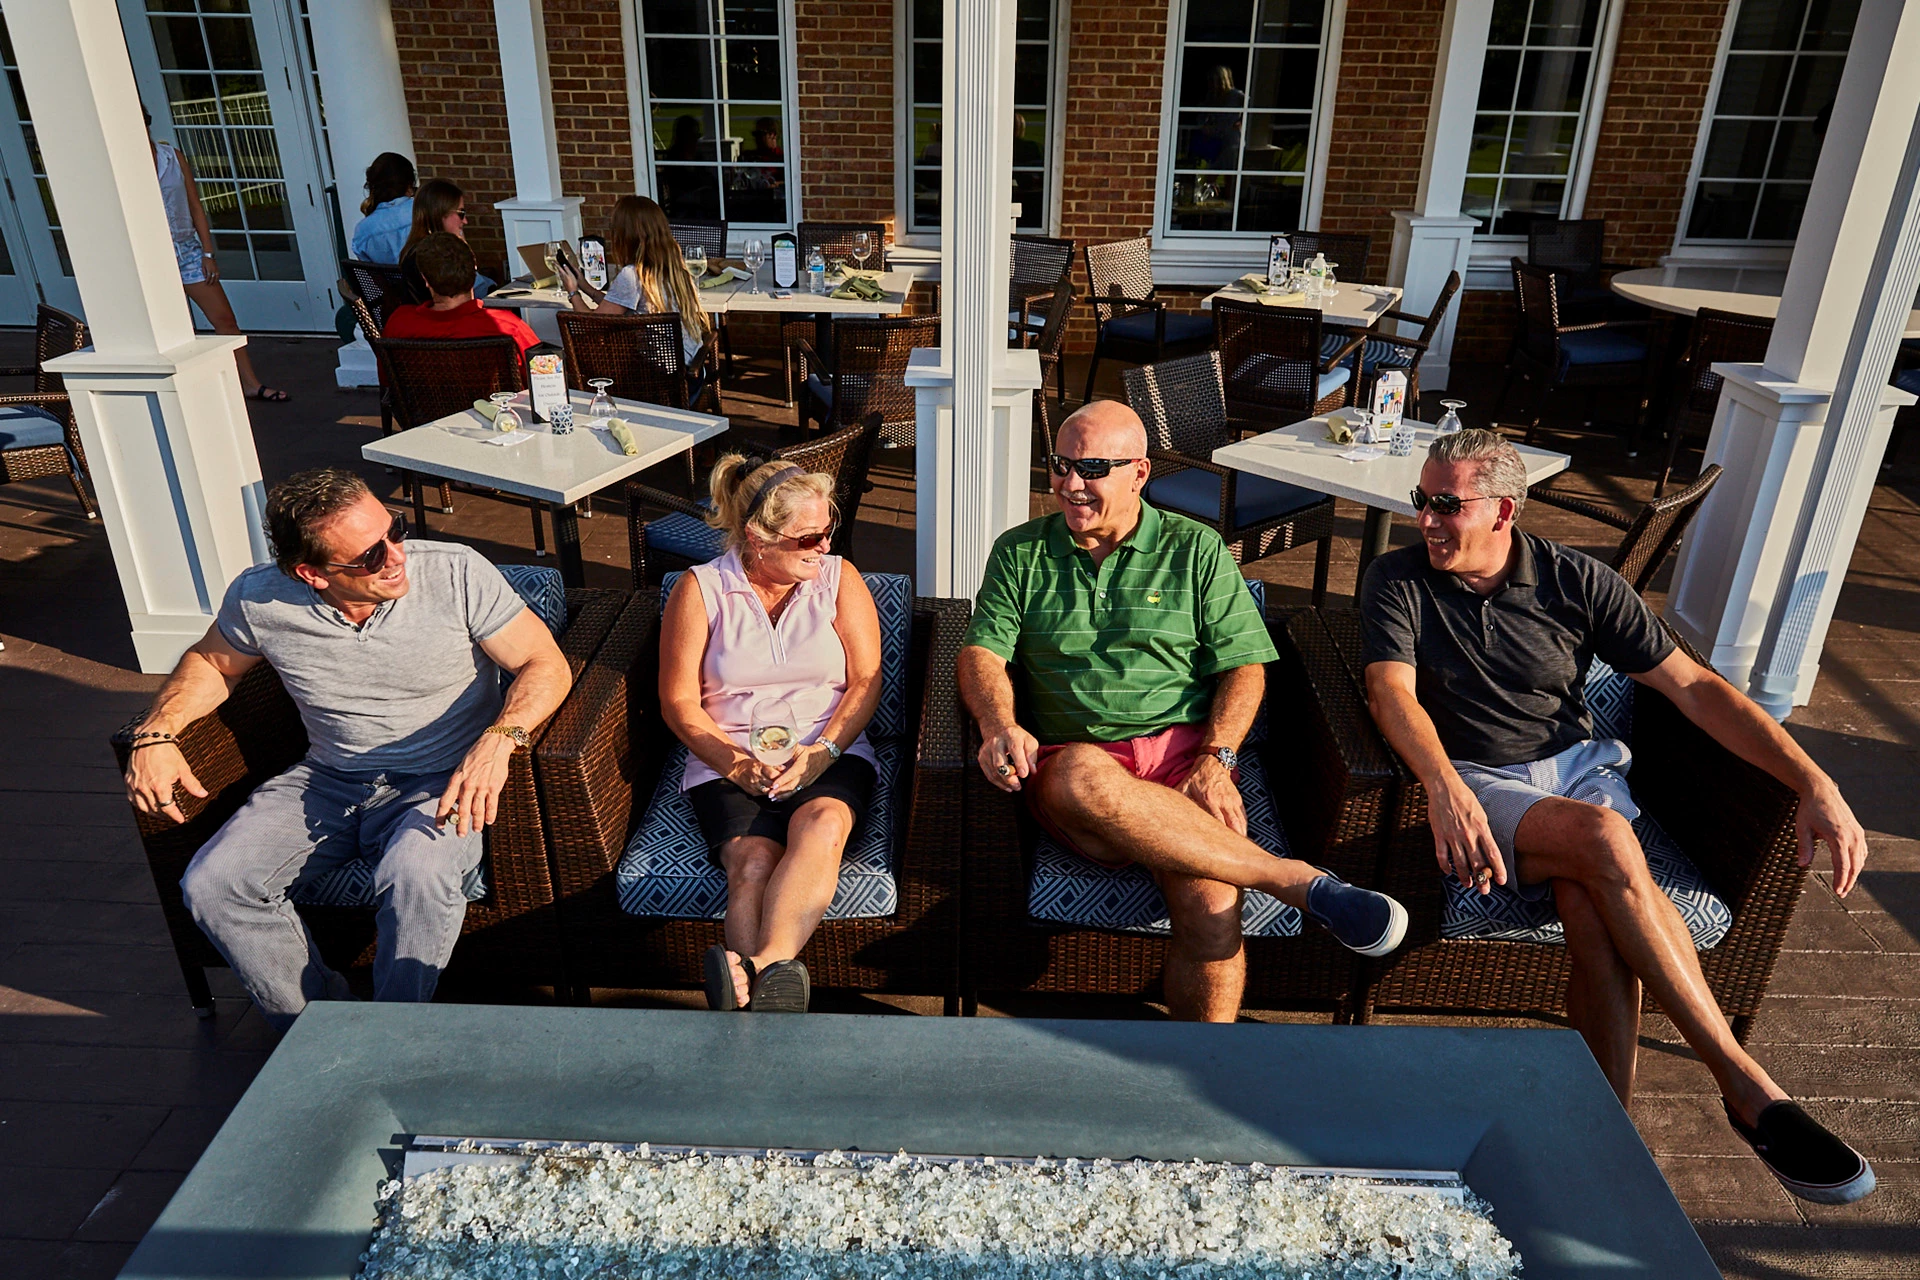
833,750
1229,758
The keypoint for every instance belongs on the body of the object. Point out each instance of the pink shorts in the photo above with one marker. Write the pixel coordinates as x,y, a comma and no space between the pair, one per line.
1166,757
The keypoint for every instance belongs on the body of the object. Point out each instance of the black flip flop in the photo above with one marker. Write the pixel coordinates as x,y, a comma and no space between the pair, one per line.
719,978
782,987
268,395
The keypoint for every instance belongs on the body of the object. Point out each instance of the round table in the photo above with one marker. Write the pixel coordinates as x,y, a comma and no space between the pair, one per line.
1683,290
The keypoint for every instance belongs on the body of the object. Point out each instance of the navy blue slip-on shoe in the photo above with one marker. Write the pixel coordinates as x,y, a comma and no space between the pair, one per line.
782,987
1365,921
1809,1159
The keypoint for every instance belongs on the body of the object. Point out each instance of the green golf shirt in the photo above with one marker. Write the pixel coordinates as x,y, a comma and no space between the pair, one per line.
1125,648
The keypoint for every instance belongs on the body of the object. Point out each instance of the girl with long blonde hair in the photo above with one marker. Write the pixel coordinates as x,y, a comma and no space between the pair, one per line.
652,275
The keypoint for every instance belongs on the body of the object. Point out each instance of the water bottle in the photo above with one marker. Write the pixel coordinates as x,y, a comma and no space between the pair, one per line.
1317,276
816,271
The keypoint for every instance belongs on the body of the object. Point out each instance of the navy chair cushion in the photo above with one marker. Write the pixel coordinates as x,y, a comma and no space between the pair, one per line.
820,389
1253,368
25,426
688,537
1182,326
1601,346
1386,355
1257,499
1907,380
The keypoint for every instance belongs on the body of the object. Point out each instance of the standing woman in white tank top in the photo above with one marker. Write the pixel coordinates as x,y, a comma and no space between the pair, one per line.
193,250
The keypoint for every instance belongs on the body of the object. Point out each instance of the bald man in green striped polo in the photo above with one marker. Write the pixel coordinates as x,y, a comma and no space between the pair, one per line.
1142,656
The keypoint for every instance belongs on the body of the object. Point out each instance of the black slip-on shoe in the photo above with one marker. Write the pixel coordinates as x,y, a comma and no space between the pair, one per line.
719,978
1809,1159
782,987
1365,921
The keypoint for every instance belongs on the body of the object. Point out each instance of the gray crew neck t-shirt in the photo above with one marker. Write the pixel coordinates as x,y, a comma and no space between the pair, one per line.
407,691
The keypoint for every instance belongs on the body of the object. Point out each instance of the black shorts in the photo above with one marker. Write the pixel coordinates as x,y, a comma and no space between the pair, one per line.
726,812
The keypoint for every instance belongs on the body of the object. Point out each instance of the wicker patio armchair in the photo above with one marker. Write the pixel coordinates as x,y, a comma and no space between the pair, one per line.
1393,351
1650,535
835,241
710,234
509,935
1330,790
383,287
604,755
39,435
866,372
1038,266
1718,337
372,325
1352,252
1563,354
1575,250
1052,346
1130,323
682,538
1271,359
1735,822
1183,404
642,352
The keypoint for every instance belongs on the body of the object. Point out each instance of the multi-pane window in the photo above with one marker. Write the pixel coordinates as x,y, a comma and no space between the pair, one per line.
1032,111
38,165
217,96
1534,91
715,99
1248,84
1777,87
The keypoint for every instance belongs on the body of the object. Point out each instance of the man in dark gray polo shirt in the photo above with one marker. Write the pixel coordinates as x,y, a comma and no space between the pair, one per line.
1477,648
393,653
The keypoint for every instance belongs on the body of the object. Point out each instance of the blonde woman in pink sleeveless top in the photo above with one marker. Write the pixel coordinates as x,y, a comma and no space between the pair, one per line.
776,617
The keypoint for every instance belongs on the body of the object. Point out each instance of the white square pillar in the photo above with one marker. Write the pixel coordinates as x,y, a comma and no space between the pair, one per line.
538,212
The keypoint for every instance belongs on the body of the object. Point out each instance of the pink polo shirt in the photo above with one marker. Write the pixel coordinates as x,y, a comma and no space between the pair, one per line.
750,657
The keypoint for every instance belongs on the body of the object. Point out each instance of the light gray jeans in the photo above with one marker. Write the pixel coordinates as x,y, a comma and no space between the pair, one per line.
308,821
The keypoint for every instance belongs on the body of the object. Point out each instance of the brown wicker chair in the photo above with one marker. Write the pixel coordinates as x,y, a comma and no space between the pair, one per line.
603,756
430,378
1271,360
1393,351
1733,820
866,372
384,288
1651,535
683,538
1352,252
642,352
1561,354
1718,337
55,333
1130,323
508,936
835,241
372,325
1330,790
1052,346
1183,404
1039,265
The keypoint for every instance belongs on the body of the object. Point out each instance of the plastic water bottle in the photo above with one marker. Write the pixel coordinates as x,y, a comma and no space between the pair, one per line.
816,271
1317,276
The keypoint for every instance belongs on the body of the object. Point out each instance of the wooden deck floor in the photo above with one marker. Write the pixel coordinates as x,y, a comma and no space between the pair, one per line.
110,1088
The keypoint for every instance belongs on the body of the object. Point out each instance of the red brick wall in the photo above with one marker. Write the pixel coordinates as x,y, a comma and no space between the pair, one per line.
844,63
1387,56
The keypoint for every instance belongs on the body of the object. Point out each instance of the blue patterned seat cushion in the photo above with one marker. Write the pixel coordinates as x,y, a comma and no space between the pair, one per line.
1068,889
1506,917
1181,327
25,426
351,883
688,537
1387,355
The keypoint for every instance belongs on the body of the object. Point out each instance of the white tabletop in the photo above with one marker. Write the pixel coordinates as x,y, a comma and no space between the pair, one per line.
557,469
1301,454
1348,305
1682,290
517,295
738,297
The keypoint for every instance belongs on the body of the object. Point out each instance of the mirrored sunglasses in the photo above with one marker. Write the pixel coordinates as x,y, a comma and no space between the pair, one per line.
1446,504
1089,468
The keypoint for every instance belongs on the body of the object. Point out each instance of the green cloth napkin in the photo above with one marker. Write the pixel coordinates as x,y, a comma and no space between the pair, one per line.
486,409
863,288
624,435
1253,282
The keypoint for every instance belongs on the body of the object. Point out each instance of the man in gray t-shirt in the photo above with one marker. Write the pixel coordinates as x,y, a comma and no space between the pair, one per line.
393,652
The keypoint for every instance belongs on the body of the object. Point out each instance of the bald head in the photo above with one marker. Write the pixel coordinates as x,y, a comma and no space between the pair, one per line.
1102,429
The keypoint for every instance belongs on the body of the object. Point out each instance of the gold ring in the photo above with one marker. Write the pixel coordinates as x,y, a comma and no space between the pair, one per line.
1483,876
1005,768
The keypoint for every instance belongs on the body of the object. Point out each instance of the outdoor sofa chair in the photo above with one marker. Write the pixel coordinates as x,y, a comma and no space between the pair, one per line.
38,433
509,934
639,900
1040,919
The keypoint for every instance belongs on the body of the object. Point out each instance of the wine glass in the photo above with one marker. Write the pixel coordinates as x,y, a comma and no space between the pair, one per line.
773,737
696,255
553,263
862,248
1450,420
755,253
504,417
600,408
1328,281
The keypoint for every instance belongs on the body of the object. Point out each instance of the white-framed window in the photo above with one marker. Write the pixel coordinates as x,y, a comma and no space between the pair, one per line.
717,91
1242,133
1540,96
1779,71
1037,35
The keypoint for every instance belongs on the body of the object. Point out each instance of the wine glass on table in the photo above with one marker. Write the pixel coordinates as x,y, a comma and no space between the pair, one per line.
862,248
755,253
504,417
1450,420
773,737
600,408
696,255
553,263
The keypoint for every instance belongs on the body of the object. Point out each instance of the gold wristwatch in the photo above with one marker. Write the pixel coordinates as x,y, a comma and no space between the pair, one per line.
521,740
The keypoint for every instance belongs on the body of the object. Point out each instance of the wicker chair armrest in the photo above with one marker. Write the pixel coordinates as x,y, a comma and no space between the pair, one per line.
1180,461
1603,324
1347,348
45,398
1580,506
803,347
942,720
648,495
930,862
1397,314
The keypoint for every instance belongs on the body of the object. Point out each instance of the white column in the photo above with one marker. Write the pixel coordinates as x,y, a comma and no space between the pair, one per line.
1801,436
974,426
538,211
1433,239
160,411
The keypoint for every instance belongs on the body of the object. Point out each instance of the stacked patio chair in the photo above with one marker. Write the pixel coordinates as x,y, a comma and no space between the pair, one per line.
682,538
640,902
1392,351
1560,353
710,234
1038,918
864,373
1039,266
1649,536
643,354
800,336
1183,404
1575,250
1718,832
38,433
1718,337
509,935
1274,365
1130,323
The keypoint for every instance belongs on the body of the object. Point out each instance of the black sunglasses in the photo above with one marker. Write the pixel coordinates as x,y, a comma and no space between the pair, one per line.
1089,468
808,541
1447,504
374,558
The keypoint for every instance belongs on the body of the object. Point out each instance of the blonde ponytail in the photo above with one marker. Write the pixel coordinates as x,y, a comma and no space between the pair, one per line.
737,481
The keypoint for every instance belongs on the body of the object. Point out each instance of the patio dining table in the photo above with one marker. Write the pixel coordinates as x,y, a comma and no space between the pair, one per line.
1684,290
1302,455
1348,306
